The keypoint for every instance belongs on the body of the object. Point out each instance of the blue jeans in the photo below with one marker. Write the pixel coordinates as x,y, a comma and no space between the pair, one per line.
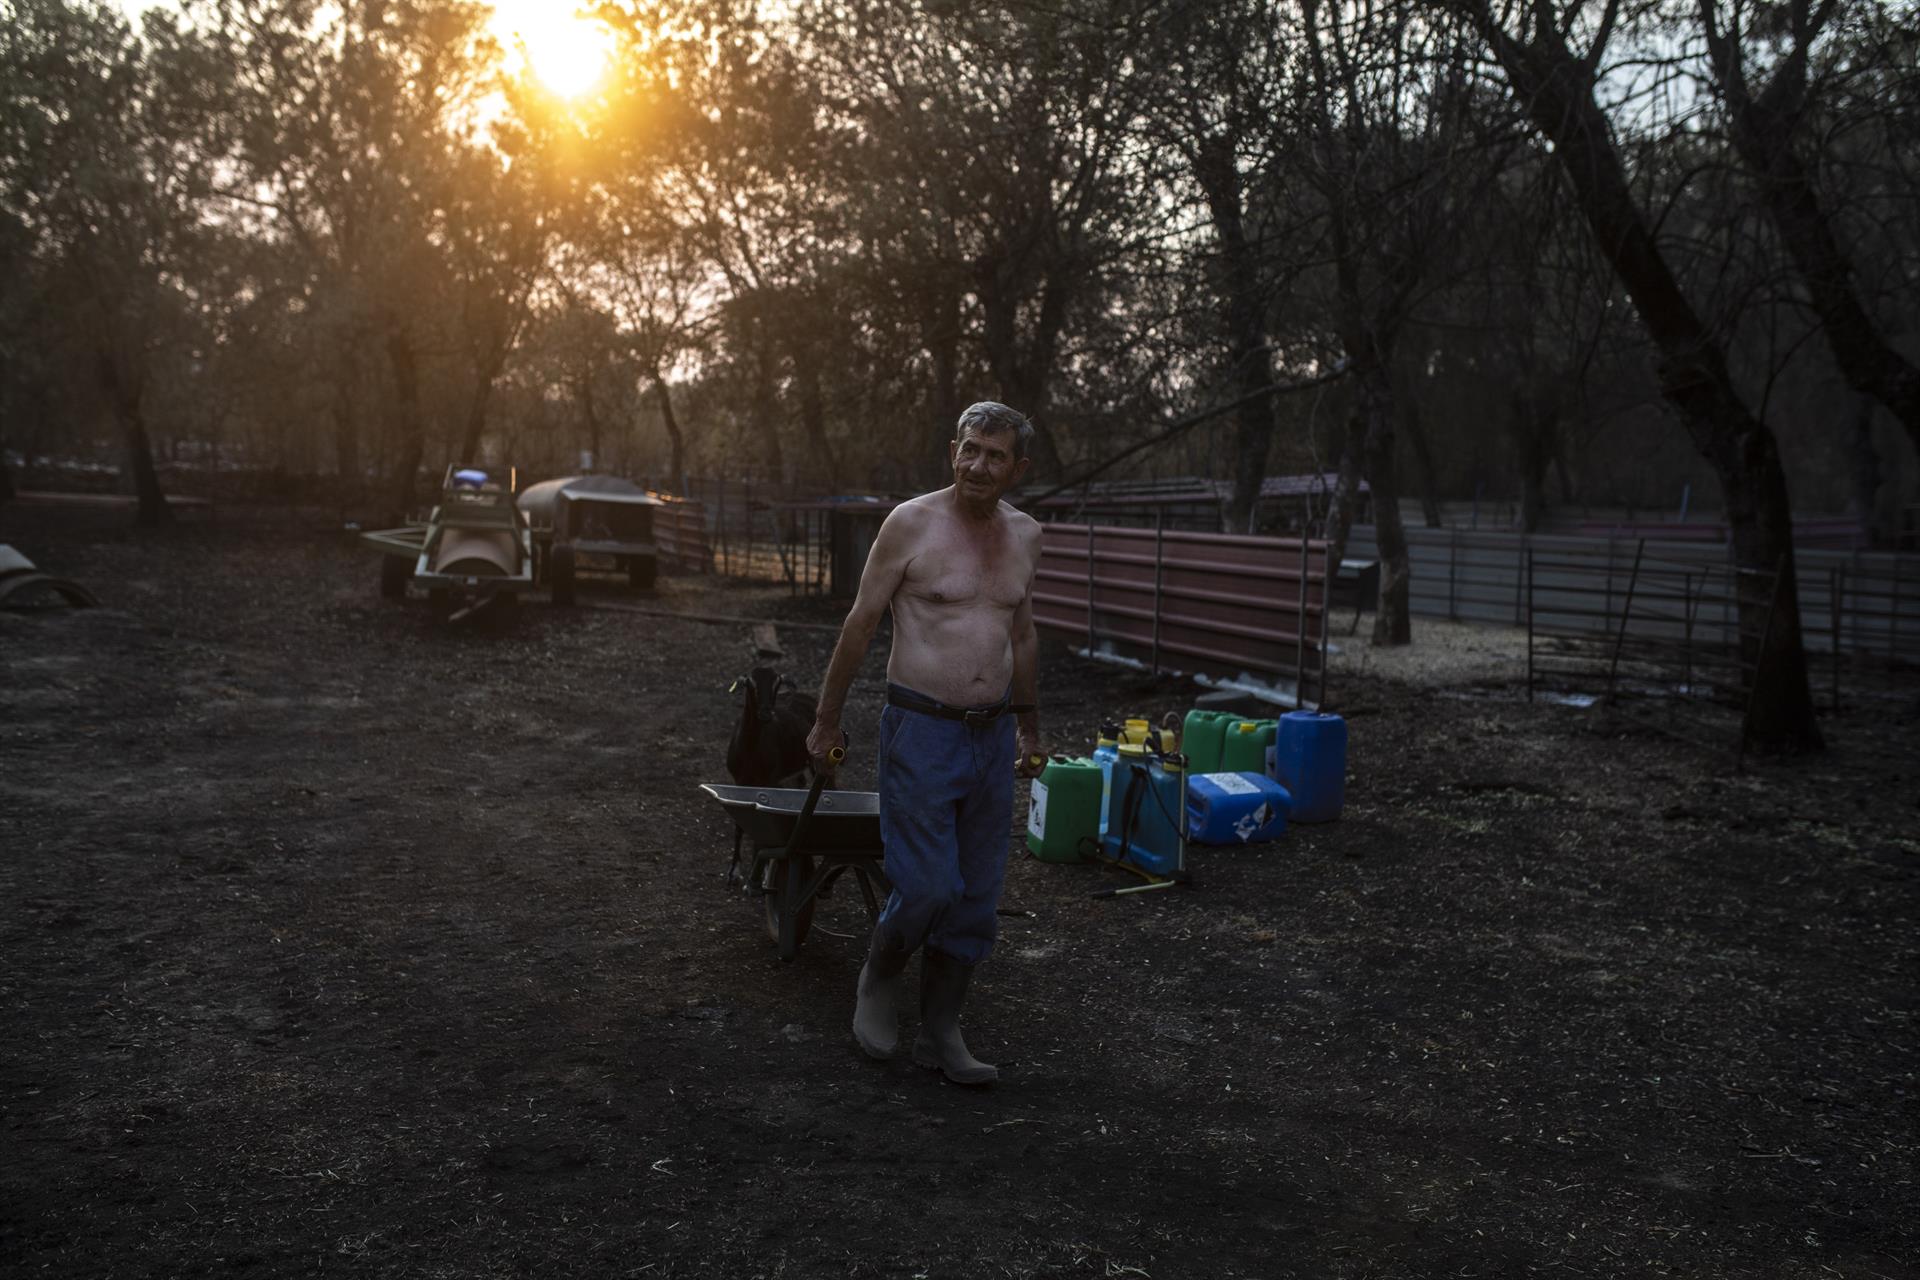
946,815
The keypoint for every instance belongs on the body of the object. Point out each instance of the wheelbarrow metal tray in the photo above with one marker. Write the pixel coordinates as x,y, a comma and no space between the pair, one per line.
843,822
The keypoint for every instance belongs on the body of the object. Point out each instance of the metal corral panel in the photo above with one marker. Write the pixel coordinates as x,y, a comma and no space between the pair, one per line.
1853,601
1217,604
680,532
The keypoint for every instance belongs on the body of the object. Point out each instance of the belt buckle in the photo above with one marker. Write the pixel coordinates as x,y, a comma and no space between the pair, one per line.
980,719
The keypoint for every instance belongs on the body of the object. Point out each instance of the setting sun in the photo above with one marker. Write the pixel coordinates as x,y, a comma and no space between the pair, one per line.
566,51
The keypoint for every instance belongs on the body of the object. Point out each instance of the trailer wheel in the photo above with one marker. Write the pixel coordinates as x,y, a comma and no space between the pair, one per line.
439,603
394,572
783,880
641,571
560,573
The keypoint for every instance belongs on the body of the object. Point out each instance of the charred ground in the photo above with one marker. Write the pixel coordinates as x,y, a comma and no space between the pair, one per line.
335,943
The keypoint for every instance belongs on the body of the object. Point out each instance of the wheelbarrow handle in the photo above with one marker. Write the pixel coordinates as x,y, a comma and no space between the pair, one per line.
834,756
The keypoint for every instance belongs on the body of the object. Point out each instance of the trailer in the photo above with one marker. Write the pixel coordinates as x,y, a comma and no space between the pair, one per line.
474,550
587,522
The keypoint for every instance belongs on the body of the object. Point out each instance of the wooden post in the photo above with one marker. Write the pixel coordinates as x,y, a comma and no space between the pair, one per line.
1836,592
1529,569
1300,631
1626,611
1453,569
1759,660
1159,558
1693,611
1089,584
1326,610
1686,631
1893,623
1525,545
1606,609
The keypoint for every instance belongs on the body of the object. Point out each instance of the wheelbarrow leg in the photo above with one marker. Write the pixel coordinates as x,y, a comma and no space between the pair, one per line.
796,869
792,880
866,891
789,914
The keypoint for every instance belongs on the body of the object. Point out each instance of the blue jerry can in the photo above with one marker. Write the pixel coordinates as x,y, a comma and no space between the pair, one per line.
1310,761
1236,808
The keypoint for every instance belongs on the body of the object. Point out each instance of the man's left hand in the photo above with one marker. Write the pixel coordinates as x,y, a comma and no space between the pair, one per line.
1029,758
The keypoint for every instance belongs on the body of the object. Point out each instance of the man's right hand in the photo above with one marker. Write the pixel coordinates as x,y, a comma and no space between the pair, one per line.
823,739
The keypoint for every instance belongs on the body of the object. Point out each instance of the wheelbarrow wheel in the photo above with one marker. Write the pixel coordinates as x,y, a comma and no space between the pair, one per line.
783,880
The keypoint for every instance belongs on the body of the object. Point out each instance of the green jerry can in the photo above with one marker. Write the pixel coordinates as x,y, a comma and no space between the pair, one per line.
1202,735
1064,810
1244,749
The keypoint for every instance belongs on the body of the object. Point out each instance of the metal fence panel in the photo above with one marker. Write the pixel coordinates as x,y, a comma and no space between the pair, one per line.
680,531
1218,604
1854,602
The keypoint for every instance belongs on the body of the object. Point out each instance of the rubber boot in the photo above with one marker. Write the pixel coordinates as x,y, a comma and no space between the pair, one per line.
943,989
876,1006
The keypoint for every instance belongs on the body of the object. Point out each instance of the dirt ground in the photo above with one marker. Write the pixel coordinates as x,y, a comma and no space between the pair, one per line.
333,942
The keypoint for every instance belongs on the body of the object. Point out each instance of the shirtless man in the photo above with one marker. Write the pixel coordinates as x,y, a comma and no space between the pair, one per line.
957,568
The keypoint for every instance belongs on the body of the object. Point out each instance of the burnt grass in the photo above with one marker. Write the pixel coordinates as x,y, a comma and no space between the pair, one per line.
334,942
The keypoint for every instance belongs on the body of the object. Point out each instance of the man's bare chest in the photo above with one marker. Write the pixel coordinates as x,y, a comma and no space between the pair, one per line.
983,573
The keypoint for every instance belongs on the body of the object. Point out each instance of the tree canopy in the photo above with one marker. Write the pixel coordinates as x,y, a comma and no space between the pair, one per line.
1573,255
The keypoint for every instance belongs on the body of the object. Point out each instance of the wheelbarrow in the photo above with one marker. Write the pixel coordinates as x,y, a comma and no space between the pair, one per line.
803,839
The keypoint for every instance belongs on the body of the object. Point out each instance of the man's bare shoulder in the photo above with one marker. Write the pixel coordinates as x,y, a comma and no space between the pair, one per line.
914,513
1019,523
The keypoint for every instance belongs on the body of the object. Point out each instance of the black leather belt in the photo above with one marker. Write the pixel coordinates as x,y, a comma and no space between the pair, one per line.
972,717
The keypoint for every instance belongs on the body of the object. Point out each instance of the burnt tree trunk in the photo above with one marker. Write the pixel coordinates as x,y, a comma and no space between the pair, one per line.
671,421
765,421
1423,457
813,413
1344,504
590,411
1556,88
1369,347
1533,427
1250,367
153,509
346,433
489,356
1393,620
124,393
1863,471
347,462
406,412
1023,370
1368,328
940,329
477,403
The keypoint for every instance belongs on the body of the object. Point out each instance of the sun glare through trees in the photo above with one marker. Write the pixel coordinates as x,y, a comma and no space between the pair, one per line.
1633,259
566,50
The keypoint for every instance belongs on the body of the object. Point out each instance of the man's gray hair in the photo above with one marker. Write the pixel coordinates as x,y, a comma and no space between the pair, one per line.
990,417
